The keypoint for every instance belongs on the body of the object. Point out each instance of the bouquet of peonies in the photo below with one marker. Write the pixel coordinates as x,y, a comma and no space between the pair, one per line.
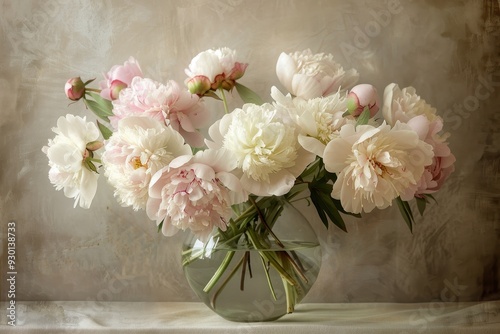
323,138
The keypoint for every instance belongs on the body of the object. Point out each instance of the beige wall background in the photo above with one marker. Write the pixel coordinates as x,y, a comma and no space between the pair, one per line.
448,50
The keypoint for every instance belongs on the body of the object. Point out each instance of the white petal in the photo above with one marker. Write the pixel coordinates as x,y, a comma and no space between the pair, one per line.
285,70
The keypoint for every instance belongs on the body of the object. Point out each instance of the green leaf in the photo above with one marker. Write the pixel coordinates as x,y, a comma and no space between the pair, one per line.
317,204
248,95
101,107
88,81
364,117
325,206
339,207
90,165
332,211
106,133
431,197
421,203
213,95
160,227
405,210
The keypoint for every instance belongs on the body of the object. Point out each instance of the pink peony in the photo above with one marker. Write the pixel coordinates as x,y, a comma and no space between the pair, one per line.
195,192
168,103
137,149
119,77
443,161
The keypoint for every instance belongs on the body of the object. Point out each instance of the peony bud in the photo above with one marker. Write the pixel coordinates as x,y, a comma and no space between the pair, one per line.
115,88
199,84
94,145
74,89
360,97
237,71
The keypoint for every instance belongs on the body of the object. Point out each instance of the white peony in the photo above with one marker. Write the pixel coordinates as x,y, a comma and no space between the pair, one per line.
319,119
139,148
66,153
213,69
196,193
404,104
264,143
375,165
309,75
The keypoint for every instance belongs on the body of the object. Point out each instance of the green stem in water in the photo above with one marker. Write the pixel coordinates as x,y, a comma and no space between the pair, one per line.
289,289
222,268
268,277
270,256
231,274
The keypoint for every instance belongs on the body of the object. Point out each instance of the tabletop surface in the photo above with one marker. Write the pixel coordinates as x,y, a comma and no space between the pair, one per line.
185,317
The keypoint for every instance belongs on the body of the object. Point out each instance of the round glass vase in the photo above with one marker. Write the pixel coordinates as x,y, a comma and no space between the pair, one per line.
257,270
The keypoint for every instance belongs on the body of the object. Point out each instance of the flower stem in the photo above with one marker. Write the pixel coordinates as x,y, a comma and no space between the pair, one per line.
222,268
93,90
231,274
224,100
263,220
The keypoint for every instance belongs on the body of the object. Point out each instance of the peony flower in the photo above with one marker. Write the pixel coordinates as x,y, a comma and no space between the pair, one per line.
119,77
375,165
67,153
402,105
360,97
168,103
214,69
139,148
196,193
309,75
74,89
318,119
264,143
442,163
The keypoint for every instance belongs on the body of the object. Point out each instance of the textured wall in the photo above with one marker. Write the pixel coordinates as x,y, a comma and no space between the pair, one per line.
446,49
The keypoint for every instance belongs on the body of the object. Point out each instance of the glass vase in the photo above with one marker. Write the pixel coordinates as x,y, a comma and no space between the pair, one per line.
259,268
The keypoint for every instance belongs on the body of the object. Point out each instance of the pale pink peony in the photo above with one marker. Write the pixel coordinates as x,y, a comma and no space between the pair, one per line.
362,96
443,161
213,69
309,75
375,165
139,148
66,153
167,103
118,78
196,193
404,104
263,141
